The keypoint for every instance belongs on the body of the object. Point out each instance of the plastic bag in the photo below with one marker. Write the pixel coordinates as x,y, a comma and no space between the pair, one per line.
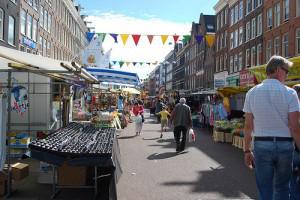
192,136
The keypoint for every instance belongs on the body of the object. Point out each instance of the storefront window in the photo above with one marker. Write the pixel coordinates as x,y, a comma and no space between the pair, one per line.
1,23
11,30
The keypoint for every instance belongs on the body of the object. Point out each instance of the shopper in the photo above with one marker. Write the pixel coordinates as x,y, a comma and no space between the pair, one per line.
271,120
158,107
163,120
138,111
295,180
182,119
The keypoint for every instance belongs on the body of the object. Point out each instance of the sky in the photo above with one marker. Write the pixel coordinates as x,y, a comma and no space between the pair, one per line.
145,17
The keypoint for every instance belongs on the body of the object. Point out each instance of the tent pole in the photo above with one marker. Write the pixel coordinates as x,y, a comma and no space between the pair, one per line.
9,185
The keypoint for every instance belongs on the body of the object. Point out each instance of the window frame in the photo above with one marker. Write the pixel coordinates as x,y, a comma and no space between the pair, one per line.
11,31
2,24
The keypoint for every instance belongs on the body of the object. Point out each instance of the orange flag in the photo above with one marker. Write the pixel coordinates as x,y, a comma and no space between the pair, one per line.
175,37
150,38
210,39
124,38
164,38
136,39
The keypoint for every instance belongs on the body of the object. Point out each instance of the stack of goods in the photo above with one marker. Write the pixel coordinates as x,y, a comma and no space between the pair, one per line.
77,140
18,143
103,119
229,131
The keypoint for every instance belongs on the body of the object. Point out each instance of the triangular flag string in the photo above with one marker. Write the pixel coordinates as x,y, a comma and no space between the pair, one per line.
115,36
175,38
89,36
136,39
101,36
164,38
210,39
124,38
150,38
199,38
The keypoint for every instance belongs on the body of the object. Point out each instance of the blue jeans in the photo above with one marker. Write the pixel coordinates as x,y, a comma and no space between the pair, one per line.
273,168
295,180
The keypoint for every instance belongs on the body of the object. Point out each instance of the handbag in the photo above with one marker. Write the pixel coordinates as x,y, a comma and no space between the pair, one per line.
143,119
192,136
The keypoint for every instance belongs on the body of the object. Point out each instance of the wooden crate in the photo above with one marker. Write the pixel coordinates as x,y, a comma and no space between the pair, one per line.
218,136
241,143
228,137
235,141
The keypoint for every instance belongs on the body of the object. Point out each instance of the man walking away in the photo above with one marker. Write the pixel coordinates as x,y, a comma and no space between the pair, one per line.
182,120
271,121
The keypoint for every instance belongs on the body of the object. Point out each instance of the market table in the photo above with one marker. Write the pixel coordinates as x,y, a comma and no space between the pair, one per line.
81,145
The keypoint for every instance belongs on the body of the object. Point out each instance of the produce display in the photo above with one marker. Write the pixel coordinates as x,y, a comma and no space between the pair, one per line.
77,140
234,126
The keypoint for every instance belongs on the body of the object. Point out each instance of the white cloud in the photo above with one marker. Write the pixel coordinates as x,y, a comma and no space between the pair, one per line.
112,22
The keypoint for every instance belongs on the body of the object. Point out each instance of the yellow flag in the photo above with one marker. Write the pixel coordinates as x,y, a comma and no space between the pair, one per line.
210,39
164,38
124,38
128,63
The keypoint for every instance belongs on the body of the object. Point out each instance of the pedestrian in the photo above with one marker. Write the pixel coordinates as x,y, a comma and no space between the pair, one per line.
271,123
138,111
182,119
295,180
164,120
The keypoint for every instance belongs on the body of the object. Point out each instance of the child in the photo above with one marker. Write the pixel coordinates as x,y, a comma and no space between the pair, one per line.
164,119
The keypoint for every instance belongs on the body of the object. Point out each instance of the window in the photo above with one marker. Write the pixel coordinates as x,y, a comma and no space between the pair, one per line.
254,4
253,56
231,40
286,10
240,61
277,15
218,21
259,24
221,19
232,16
259,55
221,62
298,41
298,8
285,45
225,16
23,22
241,35
49,23
34,29
248,6
42,17
253,28
236,38
217,64
225,62
14,1
247,31
45,19
11,30
269,18
44,47
259,2
231,64
269,50
236,63
1,23
247,57
241,10
35,4
225,39
29,26
236,13
277,46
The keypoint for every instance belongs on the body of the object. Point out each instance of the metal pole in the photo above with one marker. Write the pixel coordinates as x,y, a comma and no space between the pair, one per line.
96,181
60,110
9,185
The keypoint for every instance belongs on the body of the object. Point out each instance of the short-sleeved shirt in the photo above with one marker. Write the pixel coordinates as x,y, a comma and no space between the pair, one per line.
164,114
182,115
270,103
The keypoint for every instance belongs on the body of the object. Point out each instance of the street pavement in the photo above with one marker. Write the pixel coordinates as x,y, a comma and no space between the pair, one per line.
205,170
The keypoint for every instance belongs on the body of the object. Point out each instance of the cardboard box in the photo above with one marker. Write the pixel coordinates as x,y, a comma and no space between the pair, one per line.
19,171
71,175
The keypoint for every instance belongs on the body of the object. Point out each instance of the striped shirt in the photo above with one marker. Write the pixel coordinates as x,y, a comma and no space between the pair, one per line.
270,102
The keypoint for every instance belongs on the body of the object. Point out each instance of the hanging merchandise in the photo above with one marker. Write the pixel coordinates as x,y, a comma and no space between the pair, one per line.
19,99
3,115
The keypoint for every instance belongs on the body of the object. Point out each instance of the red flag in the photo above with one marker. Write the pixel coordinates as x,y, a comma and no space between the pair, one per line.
150,38
136,39
175,37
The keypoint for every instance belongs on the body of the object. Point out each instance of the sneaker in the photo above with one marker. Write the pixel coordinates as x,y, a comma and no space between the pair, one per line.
177,148
161,135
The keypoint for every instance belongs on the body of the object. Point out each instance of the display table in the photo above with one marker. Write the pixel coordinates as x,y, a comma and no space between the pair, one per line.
82,145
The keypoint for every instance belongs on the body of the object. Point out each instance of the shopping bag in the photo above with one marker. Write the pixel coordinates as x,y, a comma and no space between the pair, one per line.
192,136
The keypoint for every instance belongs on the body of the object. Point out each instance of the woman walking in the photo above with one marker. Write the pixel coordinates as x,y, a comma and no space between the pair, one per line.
138,111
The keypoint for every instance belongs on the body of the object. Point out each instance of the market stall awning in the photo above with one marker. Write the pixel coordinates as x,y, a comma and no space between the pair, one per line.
294,72
131,90
114,76
227,91
13,59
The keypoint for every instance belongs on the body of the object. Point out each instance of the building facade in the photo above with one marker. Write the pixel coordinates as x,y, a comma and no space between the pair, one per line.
169,62
9,23
178,73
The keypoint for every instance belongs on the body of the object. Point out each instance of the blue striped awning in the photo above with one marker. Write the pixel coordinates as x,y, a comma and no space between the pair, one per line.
114,76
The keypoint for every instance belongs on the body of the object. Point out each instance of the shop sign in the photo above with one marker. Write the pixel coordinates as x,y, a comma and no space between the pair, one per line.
233,80
246,78
220,79
29,43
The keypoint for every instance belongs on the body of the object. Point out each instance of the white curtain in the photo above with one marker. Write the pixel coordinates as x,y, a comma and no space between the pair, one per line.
3,120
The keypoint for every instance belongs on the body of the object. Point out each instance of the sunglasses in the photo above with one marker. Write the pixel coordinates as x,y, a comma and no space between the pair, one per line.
284,69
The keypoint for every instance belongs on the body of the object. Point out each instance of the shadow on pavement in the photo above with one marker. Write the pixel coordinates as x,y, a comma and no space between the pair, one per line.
156,138
157,156
126,137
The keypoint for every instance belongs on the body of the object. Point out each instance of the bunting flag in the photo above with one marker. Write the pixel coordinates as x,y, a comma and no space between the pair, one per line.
134,63
210,39
114,62
199,38
186,38
164,38
136,39
128,63
101,36
141,63
175,37
124,38
150,38
115,36
89,36
121,63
